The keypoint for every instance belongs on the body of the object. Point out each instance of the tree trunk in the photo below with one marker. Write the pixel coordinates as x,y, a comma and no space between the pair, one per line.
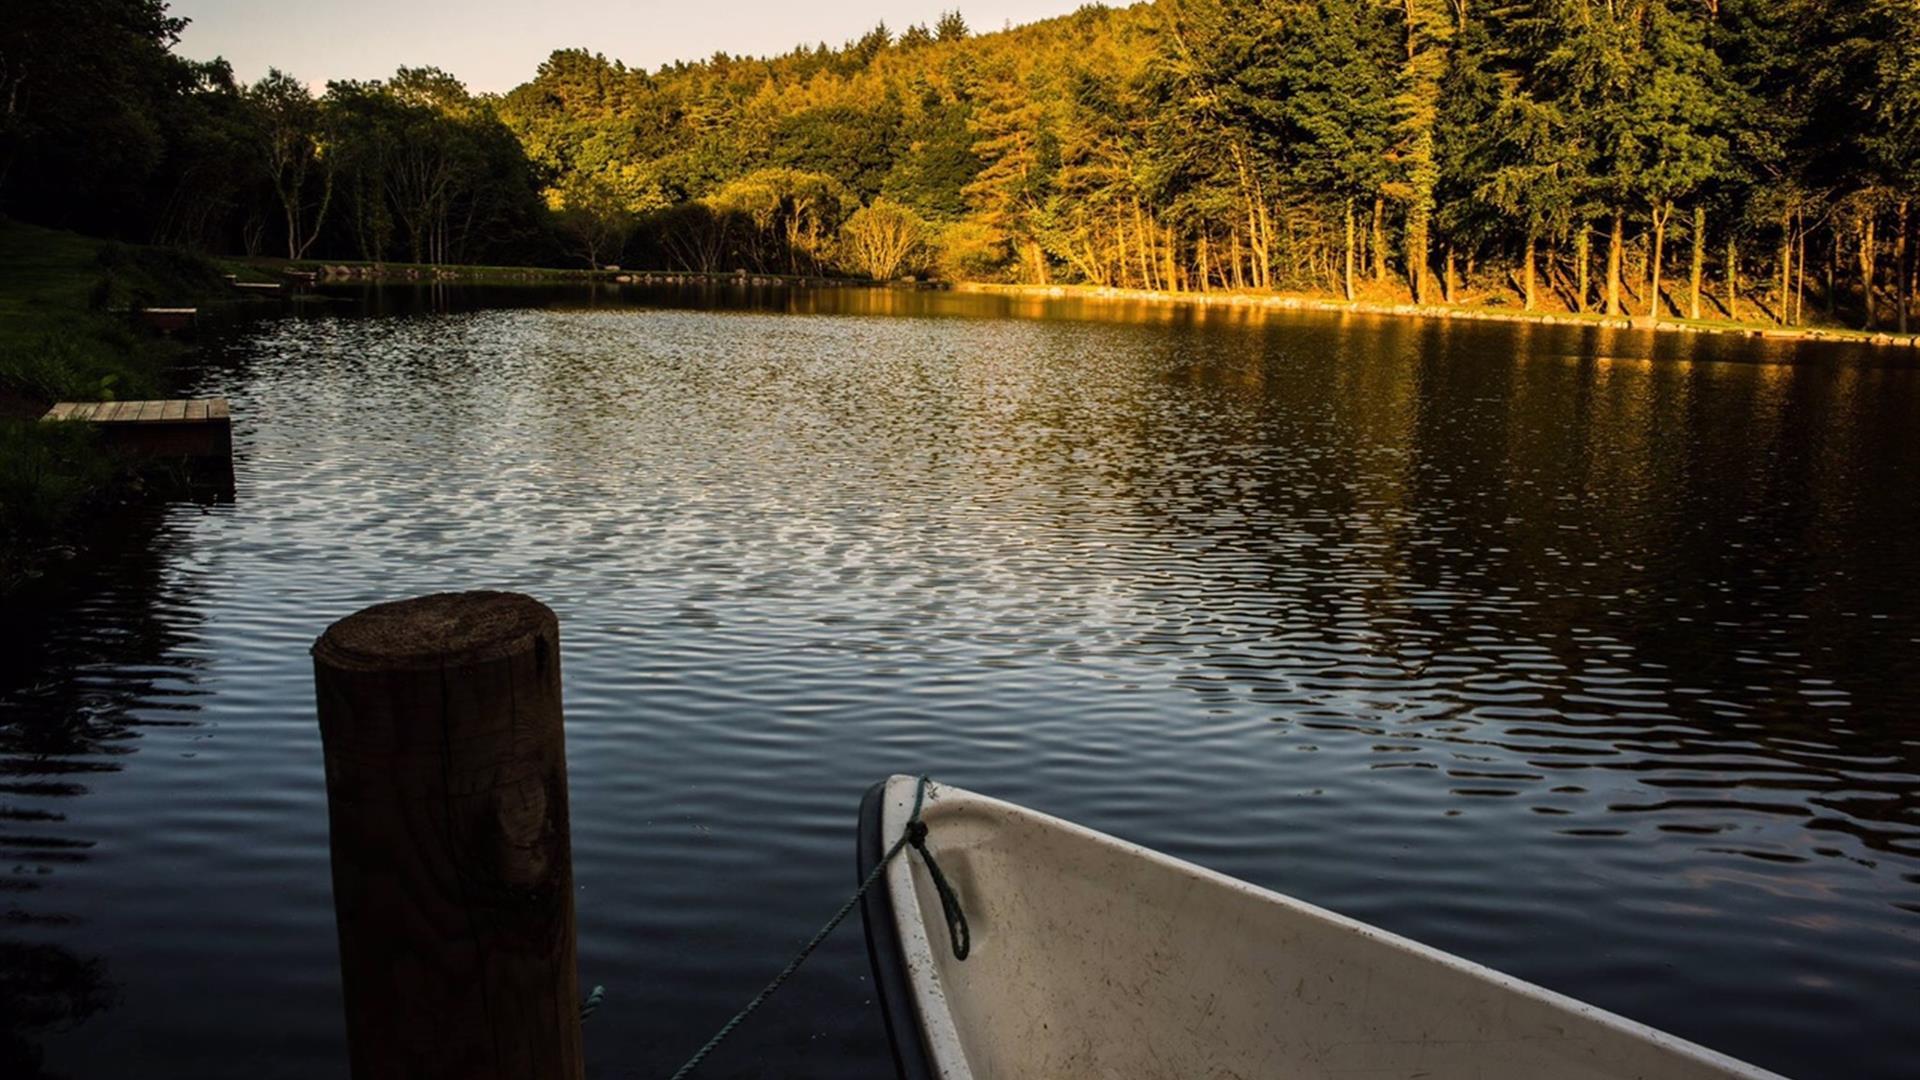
1786,266
1866,263
320,215
1140,249
1582,258
1733,278
1800,278
1901,267
1417,246
1453,284
1379,240
1660,214
1347,281
1614,243
1429,40
1699,260
1173,261
1526,273
1266,247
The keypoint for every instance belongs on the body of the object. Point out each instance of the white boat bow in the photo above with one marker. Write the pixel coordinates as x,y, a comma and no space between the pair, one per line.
1096,958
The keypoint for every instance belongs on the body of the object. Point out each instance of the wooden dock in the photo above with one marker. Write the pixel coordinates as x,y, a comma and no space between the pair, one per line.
234,281
197,432
169,320
178,411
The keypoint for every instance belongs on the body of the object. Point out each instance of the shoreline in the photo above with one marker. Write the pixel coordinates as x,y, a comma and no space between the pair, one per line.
1295,302
338,273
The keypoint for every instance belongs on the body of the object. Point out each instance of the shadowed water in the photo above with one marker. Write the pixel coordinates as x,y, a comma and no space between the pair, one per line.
1587,655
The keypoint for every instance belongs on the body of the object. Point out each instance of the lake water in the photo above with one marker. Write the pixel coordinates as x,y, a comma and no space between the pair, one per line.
1589,655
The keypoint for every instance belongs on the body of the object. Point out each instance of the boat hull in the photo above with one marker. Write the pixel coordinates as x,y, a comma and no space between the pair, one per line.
1097,958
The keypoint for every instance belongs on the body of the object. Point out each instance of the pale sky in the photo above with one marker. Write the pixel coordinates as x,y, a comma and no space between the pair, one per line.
496,44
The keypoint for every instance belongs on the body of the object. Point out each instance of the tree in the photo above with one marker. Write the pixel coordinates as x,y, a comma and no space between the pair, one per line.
883,238
1173,145
793,214
1674,140
1429,27
1876,91
289,124
950,27
82,86
366,122
211,172
1017,155
1327,96
931,173
855,144
595,216
1535,183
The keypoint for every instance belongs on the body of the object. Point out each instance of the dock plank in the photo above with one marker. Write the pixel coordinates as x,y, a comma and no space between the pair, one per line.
168,411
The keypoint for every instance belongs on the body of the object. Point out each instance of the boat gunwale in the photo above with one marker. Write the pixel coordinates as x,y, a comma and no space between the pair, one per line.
938,1029
893,986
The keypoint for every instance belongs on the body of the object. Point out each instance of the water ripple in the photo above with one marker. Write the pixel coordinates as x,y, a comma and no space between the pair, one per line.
1581,653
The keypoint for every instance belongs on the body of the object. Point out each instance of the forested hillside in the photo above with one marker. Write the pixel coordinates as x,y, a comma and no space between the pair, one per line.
1748,157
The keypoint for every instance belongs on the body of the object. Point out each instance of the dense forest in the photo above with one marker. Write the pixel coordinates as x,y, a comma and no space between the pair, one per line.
1752,158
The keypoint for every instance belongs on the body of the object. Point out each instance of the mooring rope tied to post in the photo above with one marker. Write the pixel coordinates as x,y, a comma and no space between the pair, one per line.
958,935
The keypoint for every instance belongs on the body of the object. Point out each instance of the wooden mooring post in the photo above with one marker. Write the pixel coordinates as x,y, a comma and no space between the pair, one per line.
452,864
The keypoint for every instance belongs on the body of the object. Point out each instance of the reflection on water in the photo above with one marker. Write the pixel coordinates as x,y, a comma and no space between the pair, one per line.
78,692
1586,654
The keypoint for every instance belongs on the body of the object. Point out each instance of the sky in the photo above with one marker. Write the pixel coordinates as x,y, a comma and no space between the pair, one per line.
495,45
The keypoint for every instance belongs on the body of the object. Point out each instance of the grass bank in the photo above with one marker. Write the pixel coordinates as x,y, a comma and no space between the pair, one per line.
268,268
64,335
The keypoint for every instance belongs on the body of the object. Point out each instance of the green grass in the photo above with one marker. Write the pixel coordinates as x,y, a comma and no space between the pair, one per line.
64,335
63,331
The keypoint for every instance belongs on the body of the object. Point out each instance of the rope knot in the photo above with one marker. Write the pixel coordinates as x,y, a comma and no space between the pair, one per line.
917,833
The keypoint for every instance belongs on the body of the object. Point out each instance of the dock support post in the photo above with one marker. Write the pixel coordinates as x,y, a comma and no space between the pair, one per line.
452,864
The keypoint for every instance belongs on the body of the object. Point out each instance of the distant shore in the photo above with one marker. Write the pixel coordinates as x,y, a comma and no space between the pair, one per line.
411,273
1294,302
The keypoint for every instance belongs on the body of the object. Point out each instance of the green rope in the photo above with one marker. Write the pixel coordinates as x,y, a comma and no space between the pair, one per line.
958,936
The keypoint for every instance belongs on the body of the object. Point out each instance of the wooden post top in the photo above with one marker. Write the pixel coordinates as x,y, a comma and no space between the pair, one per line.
438,631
